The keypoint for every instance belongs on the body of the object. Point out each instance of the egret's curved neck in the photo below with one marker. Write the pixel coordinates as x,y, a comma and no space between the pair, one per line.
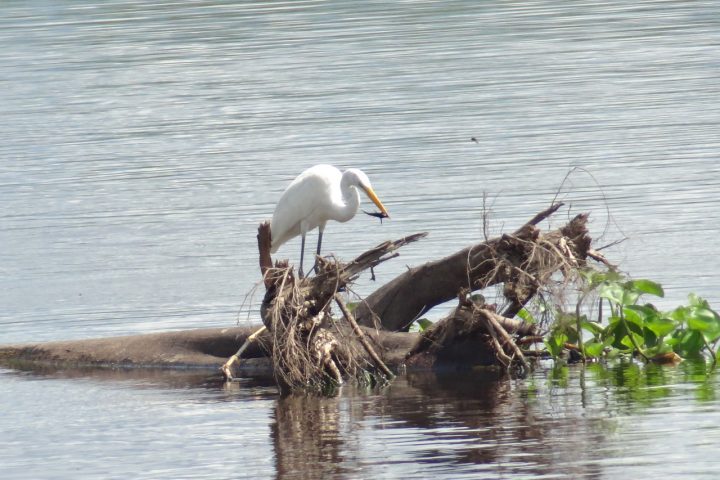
351,200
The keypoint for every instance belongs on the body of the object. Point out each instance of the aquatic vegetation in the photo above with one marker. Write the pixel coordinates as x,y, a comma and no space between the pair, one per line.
634,326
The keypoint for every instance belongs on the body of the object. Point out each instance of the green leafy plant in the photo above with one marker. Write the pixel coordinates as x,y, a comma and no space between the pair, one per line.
633,327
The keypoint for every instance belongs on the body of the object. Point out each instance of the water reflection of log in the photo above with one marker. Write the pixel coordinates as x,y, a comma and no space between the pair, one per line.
491,422
483,423
309,437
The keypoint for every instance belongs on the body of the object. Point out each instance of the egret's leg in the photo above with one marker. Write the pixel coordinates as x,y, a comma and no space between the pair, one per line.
320,232
319,241
302,254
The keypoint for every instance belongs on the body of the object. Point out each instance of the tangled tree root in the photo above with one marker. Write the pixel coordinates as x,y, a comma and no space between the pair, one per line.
523,262
472,334
310,349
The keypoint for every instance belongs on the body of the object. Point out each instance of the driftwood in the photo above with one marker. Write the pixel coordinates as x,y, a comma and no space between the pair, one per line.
199,349
472,334
517,260
310,348
305,343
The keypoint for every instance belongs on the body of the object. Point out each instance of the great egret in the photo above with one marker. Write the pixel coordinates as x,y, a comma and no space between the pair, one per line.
318,194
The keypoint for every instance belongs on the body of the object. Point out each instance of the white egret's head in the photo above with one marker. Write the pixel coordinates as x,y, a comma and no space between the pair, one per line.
357,178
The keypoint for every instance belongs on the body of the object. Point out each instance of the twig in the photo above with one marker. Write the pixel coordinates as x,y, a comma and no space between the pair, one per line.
361,336
502,356
506,338
227,368
530,340
599,257
612,244
545,213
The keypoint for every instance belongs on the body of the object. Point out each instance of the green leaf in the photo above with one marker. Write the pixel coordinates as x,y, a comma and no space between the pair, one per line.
555,343
592,327
614,334
627,341
660,326
646,286
612,292
351,306
680,314
526,316
690,344
622,334
595,277
649,338
702,319
594,349
647,311
423,324
630,297
610,333
634,317
696,301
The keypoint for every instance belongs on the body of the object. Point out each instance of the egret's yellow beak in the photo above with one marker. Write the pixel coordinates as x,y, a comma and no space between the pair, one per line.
371,194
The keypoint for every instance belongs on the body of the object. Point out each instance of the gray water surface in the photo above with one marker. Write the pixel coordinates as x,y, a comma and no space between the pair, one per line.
621,422
143,142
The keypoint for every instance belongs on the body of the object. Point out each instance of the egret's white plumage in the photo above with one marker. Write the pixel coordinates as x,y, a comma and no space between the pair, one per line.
318,194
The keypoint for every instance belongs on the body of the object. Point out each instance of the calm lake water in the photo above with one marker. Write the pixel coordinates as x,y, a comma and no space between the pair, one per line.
143,142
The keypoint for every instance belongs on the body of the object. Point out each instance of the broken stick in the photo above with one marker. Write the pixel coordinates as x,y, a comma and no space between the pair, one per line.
227,367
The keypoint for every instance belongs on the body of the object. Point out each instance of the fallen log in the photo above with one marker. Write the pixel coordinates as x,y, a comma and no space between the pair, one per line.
202,349
191,348
523,261
309,347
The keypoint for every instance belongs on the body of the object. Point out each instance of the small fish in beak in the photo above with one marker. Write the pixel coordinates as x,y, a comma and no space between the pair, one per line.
379,215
